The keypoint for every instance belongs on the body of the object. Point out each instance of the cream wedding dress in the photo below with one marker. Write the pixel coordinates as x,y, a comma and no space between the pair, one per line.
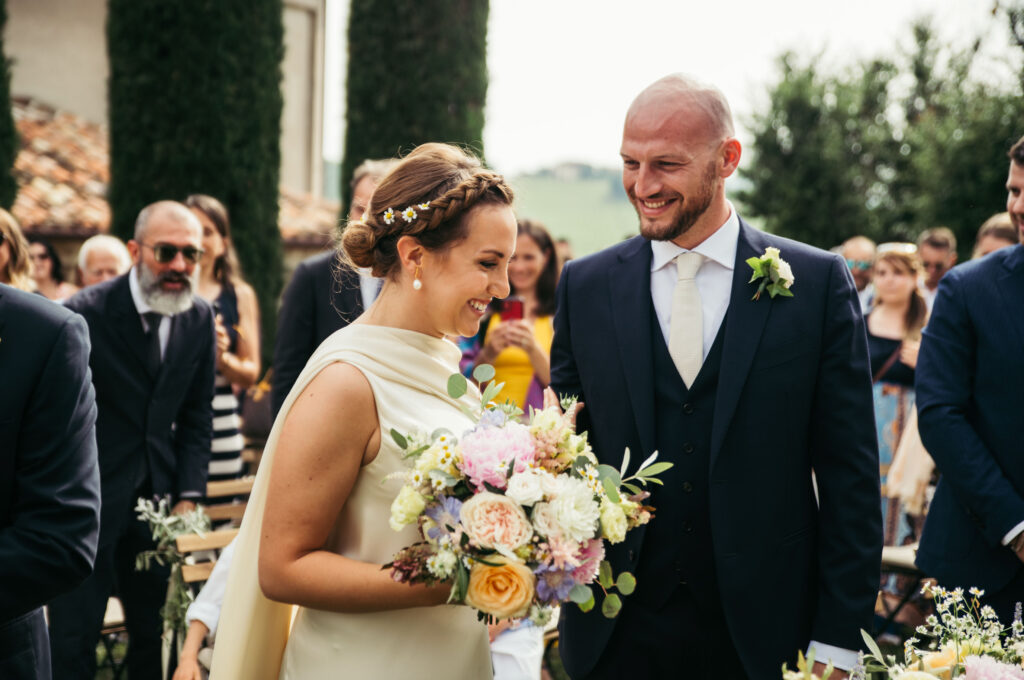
408,373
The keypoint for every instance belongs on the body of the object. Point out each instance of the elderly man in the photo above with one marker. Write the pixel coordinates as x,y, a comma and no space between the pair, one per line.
747,388
49,480
101,258
859,253
153,366
969,375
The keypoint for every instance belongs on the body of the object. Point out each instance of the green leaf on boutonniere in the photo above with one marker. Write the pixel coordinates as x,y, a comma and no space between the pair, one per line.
774,273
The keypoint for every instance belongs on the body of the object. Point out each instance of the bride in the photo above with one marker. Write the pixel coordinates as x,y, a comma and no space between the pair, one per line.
440,231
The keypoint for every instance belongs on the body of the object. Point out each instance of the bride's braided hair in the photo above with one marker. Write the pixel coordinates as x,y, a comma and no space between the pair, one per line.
440,183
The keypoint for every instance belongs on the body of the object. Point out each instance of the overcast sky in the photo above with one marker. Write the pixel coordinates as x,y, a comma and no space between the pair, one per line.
563,72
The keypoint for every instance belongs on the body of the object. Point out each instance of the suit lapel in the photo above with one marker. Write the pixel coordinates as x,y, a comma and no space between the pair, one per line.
126,321
629,283
1011,288
744,324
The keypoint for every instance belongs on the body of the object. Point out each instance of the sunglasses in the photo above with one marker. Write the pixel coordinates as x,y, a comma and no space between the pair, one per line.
165,253
858,264
933,265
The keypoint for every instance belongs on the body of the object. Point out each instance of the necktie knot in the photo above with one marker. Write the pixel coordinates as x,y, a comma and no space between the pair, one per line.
687,265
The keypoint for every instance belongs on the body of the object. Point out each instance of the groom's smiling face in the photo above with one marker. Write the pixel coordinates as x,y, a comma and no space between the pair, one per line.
672,166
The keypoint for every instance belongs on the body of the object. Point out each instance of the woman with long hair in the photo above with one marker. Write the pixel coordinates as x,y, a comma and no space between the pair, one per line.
238,335
15,262
48,271
440,231
516,338
894,335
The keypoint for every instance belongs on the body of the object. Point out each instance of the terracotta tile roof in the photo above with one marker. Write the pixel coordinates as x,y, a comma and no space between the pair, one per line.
63,170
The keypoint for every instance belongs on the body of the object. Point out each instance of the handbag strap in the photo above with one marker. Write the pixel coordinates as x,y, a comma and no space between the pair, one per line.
888,364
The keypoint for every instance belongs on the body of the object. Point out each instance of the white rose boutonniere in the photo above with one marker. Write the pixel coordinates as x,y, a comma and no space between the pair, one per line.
774,273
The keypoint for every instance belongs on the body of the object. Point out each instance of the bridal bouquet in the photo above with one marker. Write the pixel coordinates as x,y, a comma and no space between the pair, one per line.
515,514
967,642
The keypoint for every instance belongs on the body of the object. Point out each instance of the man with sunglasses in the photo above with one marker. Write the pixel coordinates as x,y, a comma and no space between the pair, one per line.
152,364
859,253
937,250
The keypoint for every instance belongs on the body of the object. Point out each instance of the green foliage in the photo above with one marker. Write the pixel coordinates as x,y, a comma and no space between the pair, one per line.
195,107
885,149
9,141
417,72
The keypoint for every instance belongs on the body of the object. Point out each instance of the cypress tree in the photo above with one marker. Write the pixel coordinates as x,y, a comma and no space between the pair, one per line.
195,107
9,140
417,72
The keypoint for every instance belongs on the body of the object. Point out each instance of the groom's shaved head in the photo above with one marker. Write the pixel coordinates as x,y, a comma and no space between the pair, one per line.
684,95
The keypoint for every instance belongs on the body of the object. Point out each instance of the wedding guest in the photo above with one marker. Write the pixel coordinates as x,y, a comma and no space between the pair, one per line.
101,258
152,364
969,398
323,297
237,325
519,346
48,271
859,253
670,347
49,480
995,233
894,336
937,250
15,261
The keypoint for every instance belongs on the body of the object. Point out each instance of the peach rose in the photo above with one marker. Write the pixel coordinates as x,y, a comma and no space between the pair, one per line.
504,591
495,521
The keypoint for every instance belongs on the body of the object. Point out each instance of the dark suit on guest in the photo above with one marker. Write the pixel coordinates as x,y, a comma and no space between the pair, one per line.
153,433
740,567
320,299
49,478
970,370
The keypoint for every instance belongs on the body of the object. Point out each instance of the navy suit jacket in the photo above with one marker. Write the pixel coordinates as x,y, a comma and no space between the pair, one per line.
163,420
794,395
320,299
970,400
49,478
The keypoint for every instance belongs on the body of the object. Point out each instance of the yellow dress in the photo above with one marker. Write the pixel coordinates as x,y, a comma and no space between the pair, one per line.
512,365
408,373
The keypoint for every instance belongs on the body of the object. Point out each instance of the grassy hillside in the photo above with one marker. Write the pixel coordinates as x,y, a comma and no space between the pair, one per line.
590,210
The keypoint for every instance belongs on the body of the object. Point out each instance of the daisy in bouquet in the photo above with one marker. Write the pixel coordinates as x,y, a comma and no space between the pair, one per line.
967,641
515,514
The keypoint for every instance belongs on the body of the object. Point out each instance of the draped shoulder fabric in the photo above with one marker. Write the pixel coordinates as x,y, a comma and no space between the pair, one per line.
408,373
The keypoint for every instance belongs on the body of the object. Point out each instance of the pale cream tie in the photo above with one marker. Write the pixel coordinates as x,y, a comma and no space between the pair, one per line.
686,336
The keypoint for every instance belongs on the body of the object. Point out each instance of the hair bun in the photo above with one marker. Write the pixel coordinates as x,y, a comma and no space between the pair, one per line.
359,243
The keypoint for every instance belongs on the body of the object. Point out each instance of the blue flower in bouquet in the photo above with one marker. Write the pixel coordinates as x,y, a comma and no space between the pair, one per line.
445,514
553,584
493,418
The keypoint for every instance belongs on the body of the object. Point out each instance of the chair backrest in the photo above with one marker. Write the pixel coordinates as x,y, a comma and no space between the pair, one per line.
203,550
231,490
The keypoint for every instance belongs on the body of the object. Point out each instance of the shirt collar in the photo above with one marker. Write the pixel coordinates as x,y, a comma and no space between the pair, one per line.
133,284
720,246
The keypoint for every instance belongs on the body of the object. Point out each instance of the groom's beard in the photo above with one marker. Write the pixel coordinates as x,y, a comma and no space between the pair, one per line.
166,302
691,210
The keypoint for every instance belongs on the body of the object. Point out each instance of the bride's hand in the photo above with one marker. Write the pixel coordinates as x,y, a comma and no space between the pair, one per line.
551,399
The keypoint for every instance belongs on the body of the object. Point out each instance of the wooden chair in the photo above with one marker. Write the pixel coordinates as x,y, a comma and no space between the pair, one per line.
899,559
233,508
112,633
203,550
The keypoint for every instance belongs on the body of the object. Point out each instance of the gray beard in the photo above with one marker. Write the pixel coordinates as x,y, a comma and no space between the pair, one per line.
161,301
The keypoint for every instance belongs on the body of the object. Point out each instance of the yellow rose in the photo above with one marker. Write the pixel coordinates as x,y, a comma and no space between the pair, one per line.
613,521
940,663
504,591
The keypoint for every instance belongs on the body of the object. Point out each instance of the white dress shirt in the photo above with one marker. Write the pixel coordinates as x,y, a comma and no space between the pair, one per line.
369,287
714,279
714,283
142,306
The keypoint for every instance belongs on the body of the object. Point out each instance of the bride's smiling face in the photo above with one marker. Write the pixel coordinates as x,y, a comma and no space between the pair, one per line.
460,282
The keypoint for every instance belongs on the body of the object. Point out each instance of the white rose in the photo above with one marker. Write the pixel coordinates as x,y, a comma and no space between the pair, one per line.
526,487
406,508
544,521
785,273
613,521
772,254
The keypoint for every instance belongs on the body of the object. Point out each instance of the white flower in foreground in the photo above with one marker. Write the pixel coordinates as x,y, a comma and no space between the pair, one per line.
406,507
576,511
526,487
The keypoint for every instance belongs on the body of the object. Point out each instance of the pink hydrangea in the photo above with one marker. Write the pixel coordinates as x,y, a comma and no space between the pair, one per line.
488,453
987,668
589,557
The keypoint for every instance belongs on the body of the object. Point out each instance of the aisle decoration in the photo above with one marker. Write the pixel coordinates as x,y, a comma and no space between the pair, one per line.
515,514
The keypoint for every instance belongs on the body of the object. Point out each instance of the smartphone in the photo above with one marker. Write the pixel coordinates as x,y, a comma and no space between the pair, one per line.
512,308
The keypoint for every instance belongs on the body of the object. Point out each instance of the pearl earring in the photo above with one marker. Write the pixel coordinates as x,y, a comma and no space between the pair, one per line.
416,283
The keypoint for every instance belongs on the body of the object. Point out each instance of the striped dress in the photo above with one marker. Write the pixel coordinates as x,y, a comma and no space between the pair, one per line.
226,446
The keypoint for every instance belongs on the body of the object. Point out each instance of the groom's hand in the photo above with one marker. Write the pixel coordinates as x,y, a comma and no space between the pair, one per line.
837,674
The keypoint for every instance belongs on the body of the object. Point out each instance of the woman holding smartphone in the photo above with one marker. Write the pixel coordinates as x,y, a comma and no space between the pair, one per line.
516,340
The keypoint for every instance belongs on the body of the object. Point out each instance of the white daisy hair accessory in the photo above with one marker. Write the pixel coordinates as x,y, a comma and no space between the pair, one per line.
389,216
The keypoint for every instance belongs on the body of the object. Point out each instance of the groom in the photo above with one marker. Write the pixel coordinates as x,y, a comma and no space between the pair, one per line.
746,561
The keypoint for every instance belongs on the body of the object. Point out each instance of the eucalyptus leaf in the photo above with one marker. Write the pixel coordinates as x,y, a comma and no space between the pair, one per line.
587,606
626,583
608,472
483,373
604,575
457,385
399,439
654,469
611,606
581,593
610,490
